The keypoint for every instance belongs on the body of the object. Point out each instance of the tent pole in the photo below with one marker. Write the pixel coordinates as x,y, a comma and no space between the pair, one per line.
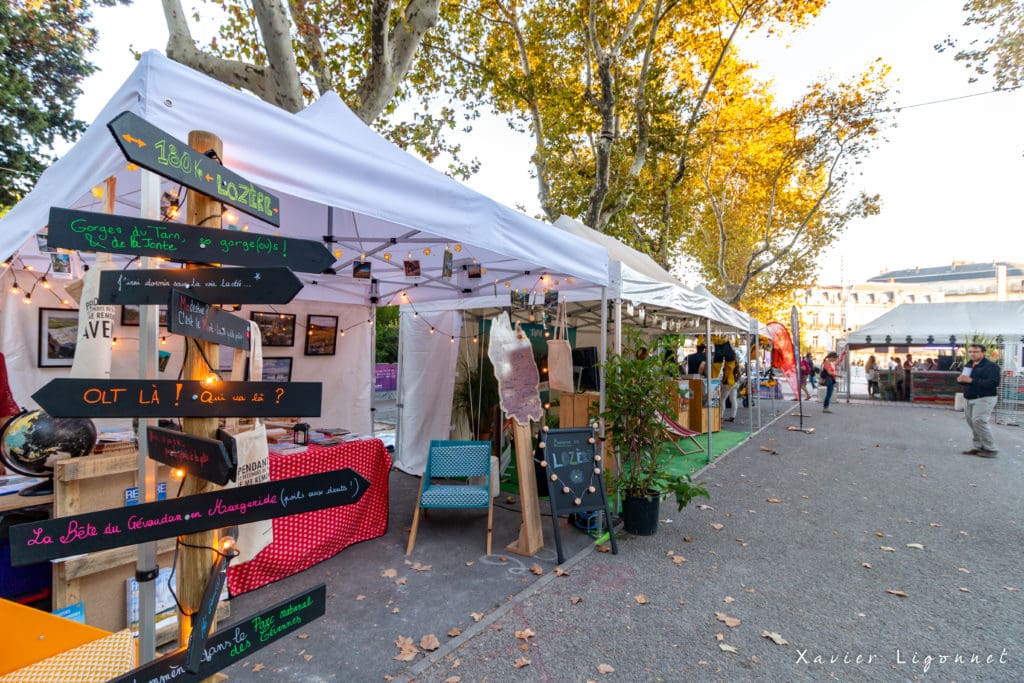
707,393
146,555
373,370
398,391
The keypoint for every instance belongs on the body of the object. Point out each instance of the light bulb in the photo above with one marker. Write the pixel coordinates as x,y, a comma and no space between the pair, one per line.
387,255
28,267
44,282
113,341
229,216
179,473
210,380
338,253
163,339
14,289
97,192
131,167
458,248
28,298
426,251
453,340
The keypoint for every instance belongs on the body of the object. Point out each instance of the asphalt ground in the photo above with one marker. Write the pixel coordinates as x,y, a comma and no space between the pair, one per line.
804,542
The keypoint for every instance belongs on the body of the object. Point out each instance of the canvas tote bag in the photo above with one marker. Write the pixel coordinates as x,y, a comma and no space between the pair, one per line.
253,456
560,355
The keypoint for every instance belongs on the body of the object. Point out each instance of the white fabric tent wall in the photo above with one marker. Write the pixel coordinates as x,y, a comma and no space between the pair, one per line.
941,321
427,366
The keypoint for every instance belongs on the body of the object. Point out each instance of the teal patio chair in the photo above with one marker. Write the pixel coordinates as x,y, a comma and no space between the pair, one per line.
450,460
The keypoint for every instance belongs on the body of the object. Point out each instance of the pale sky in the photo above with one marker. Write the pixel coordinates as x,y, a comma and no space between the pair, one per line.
950,174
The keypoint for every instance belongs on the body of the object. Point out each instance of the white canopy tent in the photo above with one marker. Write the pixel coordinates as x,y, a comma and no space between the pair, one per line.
349,187
942,323
656,302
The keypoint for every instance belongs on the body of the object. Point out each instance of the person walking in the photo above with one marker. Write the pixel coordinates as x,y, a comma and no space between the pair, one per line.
829,374
806,370
871,373
979,378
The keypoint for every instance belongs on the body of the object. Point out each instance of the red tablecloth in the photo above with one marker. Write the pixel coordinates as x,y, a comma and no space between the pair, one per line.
300,541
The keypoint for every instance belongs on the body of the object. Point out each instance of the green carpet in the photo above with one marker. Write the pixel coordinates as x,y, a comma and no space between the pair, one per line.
674,461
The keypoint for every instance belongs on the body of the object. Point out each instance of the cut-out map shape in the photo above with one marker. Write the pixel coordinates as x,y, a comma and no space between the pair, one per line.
69,397
152,286
154,150
90,231
516,372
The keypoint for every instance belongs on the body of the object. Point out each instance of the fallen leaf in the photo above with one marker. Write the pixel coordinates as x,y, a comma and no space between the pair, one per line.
537,569
774,500
716,526
407,649
303,636
728,599
575,599
719,637
457,663
307,657
965,590
453,679
360,597
965,571
670,553
395,610
915,546
422,567
865,565
604,548
731,622
1012,589
503,558
524,647
887,548
525,634
899,593
389,573
754,659
749,590
641,599
775,637
935,524
769,450
496,627
679,559
560,572
879,534
477,616
510,499
522,661
964,533
702,506
401,581
455,633
688,539
727,648
430,642
258,667
470,563
605,669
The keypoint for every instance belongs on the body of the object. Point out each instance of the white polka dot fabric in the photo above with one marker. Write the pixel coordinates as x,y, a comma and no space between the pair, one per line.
300,541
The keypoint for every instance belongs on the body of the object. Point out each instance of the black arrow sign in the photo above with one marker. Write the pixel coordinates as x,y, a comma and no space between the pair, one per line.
65,397
201,457
154,150
194,318
233,643
118,527
89,231
212,285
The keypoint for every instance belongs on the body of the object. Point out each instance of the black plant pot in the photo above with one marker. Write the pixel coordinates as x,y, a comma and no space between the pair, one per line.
640,514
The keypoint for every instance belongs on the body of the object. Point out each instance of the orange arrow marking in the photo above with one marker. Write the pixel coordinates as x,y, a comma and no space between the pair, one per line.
129,139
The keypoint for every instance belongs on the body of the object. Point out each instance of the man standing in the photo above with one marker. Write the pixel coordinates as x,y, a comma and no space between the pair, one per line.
980,377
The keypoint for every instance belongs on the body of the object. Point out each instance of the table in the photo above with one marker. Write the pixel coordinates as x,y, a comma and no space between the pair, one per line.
300,541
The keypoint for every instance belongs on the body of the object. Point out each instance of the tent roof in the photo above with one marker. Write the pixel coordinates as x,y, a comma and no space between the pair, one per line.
942,321
328,168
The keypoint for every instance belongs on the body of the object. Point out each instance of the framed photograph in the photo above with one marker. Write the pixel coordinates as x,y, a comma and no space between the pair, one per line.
130,316
446,265
44,248
58,336
412,268
60,264
321,335
520,299
277,329
474,271
361,270
277,369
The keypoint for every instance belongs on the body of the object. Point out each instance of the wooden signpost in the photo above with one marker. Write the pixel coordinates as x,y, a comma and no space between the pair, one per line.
234,643
191,317
152,286
117,527
201,457
66,397
88,231
573,471
154,150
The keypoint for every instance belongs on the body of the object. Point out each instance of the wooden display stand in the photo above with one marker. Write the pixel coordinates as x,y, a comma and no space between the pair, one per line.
574,409
98,579
531,533
698,412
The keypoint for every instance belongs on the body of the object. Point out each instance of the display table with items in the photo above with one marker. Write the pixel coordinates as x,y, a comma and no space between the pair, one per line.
936,388
300,541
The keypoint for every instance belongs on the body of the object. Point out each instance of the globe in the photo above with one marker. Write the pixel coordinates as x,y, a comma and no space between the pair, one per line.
33,442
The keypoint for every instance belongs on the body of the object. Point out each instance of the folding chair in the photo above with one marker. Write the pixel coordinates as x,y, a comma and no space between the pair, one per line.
680,432
455,460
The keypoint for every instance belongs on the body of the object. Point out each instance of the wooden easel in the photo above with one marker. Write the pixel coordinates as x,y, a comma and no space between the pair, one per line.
531,534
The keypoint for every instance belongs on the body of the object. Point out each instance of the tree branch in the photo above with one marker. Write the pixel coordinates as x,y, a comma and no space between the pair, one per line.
309,34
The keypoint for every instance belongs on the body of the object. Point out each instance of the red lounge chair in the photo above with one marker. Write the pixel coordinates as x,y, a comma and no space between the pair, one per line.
680,432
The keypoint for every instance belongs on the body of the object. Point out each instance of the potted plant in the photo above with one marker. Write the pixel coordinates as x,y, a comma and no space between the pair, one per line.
635,394
476,397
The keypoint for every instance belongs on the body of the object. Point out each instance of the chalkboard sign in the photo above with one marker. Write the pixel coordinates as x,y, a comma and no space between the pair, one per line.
117,527
191,317
154,150
152,286
89,231
574,473
201,457
67,397
236,642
